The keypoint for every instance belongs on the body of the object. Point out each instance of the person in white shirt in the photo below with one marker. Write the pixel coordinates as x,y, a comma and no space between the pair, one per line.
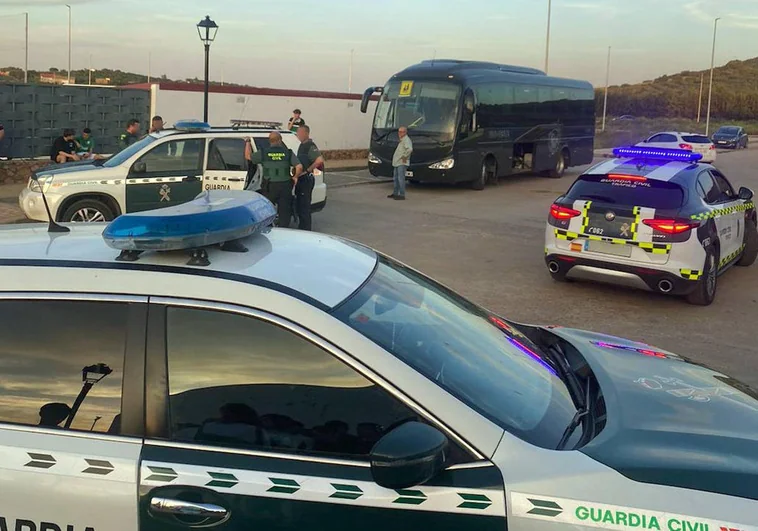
400,161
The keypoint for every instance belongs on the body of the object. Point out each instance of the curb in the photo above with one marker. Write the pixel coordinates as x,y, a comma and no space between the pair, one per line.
346,168
360,183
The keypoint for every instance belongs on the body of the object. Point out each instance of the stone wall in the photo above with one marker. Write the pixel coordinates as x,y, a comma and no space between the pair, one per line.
19,170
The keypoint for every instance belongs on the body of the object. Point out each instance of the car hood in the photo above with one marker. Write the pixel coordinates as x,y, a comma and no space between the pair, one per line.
671,421
724,136
69,167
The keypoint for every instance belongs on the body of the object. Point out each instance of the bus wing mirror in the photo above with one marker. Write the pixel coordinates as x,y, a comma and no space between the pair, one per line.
367,97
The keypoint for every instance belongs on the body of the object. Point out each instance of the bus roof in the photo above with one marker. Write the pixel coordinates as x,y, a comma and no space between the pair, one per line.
483,72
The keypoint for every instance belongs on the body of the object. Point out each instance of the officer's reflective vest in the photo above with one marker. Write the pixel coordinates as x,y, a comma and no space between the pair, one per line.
276,163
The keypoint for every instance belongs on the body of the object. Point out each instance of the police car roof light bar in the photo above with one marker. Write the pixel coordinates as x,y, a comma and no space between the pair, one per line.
263,124
214,217
191,125
680,155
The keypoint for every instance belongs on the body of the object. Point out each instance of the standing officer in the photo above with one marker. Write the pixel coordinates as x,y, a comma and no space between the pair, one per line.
311,159
131,135
277,180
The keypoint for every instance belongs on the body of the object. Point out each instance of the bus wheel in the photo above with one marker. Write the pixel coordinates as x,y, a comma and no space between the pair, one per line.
488,173
562,161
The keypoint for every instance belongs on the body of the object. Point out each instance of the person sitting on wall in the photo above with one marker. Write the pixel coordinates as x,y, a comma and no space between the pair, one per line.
64,148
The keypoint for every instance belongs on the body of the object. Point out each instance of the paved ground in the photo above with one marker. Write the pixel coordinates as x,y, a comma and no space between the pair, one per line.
489,246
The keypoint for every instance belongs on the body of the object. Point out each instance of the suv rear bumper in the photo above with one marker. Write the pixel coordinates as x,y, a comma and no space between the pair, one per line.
646,278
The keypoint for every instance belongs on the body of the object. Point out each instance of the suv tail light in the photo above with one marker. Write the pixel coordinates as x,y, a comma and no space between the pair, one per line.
671,226
712,147
562,212
688,147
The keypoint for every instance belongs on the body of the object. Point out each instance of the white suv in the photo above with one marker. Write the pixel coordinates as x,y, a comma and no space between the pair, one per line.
694,142
163,169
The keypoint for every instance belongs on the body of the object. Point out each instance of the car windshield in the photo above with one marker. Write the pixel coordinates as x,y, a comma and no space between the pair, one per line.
427,106
646,193
728,131
125,154
477,357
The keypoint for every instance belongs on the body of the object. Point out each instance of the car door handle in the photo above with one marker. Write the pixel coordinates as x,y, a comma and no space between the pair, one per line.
191,178
235,179
184,508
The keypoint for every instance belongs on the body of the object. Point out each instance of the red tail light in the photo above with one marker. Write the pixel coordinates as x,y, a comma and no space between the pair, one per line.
688,147
712,147
619,177
671,226
562,212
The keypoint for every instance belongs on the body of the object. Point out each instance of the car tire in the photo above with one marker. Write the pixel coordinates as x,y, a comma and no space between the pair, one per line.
487,173
87,211
561,163
705,292
750,253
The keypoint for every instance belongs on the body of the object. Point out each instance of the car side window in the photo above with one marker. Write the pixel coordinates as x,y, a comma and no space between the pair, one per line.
261,143
661,138
707,188
256,385
174,156
227,154
62,364
726,192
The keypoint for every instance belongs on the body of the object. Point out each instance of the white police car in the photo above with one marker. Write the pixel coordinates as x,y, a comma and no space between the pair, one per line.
163,169
293,380
652,218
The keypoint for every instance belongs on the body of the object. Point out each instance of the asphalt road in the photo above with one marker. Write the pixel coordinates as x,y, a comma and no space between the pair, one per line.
489,246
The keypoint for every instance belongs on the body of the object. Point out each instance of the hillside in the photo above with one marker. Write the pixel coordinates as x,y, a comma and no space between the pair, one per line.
735,94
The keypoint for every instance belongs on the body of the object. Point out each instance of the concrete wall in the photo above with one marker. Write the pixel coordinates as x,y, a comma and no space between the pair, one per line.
34,115
335,119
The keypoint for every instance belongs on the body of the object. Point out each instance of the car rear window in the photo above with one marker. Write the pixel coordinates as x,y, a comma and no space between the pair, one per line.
649,193
696,139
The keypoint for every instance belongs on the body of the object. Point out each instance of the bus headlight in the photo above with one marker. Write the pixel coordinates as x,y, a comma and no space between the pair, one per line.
446,164
373,159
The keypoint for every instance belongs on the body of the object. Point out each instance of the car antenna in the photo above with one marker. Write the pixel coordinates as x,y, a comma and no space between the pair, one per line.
52,226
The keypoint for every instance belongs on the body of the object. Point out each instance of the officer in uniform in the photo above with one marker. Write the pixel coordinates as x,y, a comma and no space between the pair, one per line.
131,135
277,182
311,159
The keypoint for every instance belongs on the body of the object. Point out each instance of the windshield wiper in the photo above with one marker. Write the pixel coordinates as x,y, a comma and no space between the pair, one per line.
576,421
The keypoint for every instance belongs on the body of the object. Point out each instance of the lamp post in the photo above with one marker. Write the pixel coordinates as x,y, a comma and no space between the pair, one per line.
547,39
26,49
607,81
710,86
207,29
69,43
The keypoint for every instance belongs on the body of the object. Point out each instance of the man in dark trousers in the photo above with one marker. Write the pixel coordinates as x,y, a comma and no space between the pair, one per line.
312,160
277,180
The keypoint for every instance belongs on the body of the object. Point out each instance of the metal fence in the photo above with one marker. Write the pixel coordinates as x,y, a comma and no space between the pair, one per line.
35,115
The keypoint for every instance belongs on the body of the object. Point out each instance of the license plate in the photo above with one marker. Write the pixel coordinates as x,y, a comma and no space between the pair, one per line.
620,227
722,142
608,248
409,174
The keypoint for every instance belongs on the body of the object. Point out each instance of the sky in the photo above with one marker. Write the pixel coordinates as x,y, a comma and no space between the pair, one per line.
307,43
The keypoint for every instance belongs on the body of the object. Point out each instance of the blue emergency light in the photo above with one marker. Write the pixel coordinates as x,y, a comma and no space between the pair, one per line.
192,125
214,217
681,155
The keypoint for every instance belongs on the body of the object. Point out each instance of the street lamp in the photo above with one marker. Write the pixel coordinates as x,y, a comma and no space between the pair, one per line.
710,86
206,29
69,43
547,39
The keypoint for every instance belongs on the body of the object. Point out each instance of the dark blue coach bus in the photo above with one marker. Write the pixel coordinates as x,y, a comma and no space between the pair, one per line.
474,122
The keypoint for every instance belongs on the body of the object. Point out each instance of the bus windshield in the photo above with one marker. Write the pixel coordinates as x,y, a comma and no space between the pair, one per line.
428,106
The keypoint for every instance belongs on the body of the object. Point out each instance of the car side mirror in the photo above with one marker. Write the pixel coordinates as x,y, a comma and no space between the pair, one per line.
746,194
408,456
139,167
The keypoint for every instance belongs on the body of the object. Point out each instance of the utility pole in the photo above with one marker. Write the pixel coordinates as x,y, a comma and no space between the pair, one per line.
350,74
607,81
710,87
547,39
26,50
700,98
69,43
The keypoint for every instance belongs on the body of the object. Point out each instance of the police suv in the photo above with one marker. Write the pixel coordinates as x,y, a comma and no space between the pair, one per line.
163,169
191,368
652,218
